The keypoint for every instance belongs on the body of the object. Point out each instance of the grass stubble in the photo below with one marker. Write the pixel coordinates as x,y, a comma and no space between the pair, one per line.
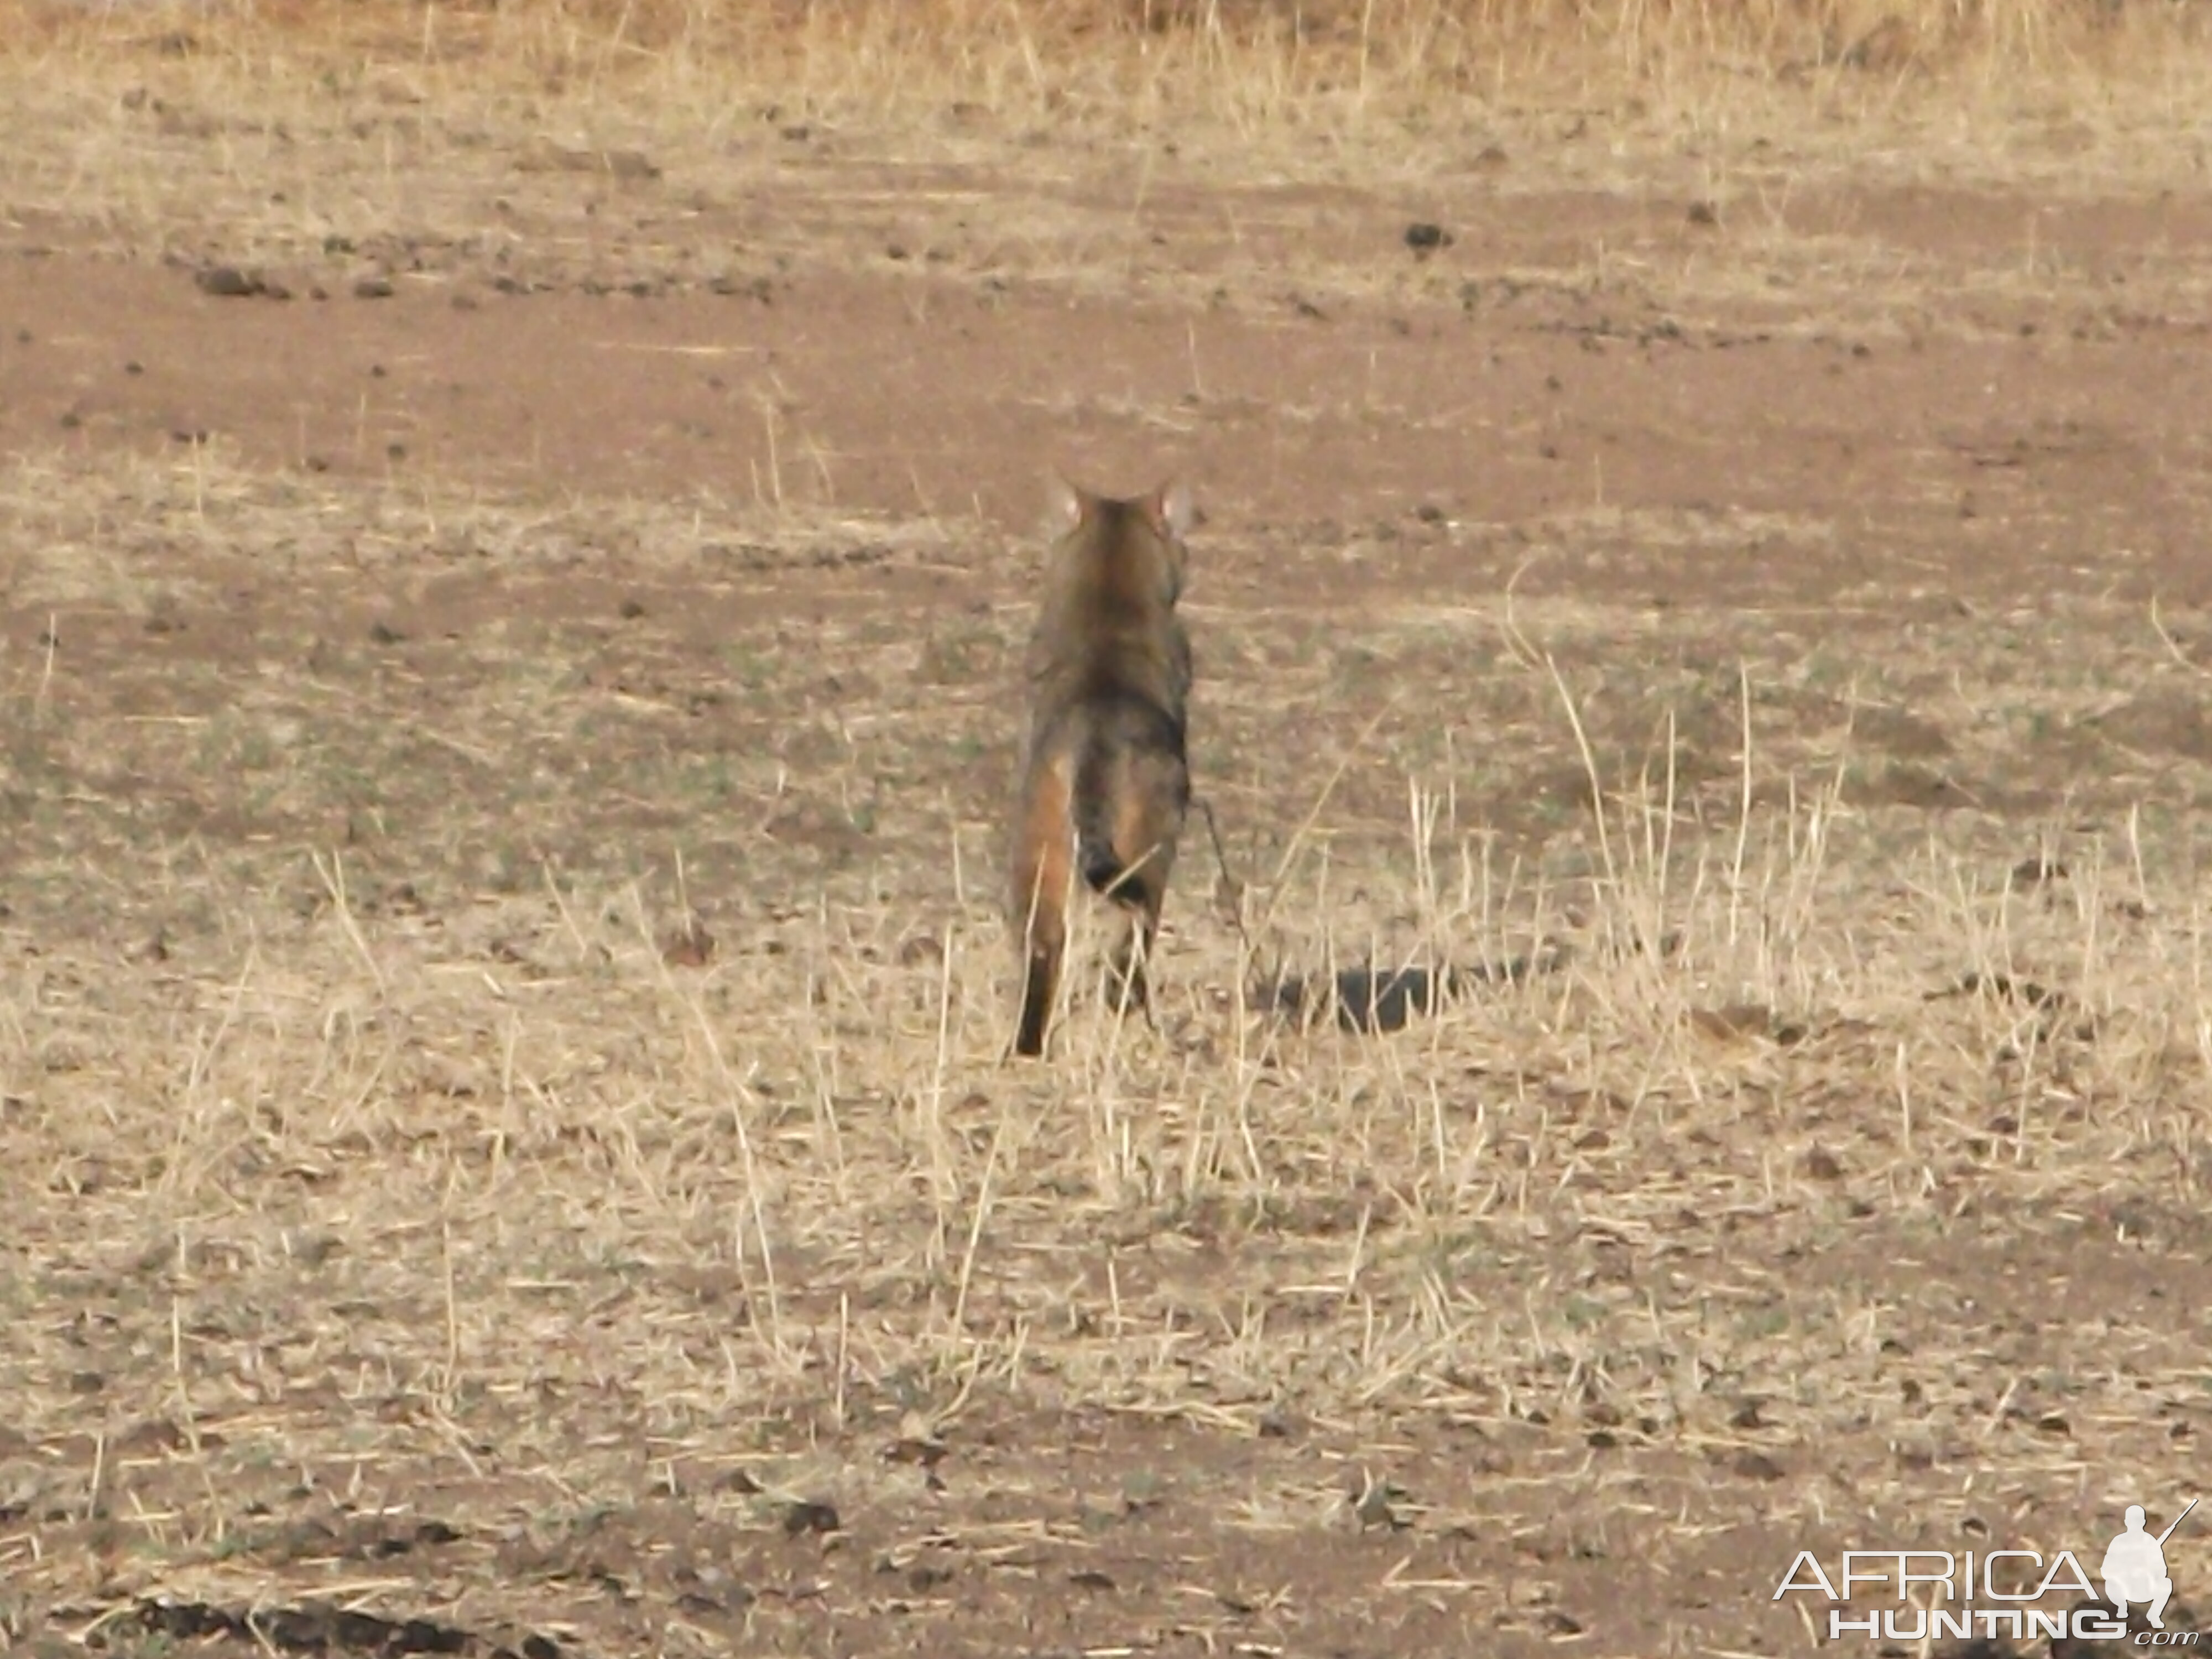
545,1087
576,1120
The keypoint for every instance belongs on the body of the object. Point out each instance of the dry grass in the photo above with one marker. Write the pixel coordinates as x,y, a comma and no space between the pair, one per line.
374,1133
721,149
126,114
1287,55
510,1035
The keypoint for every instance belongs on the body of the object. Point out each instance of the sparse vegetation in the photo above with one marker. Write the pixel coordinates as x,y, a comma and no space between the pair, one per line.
505,1135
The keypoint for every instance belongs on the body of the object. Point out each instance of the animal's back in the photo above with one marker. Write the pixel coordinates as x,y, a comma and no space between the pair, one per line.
1107,625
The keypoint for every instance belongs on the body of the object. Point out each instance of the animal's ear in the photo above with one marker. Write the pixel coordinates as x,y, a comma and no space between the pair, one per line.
1067,502
1169,509
1172,507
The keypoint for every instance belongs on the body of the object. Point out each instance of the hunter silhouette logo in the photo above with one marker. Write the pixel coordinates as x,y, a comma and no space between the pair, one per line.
2135,1567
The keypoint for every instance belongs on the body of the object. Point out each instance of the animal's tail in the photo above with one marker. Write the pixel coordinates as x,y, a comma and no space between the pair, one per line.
1108,768
1103,872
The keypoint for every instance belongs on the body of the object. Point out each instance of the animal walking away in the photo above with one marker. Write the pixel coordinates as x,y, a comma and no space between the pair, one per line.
1105,771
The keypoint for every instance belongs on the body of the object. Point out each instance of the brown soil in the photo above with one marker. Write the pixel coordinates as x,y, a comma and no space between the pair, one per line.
2021,446
394,658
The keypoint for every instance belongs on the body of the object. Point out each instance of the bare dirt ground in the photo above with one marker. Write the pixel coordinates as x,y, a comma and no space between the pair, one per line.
507,617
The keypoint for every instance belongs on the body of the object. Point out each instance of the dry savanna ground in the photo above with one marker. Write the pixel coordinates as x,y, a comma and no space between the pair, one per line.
514,533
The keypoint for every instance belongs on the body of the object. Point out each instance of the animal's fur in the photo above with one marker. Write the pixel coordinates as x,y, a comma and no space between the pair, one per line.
1105,778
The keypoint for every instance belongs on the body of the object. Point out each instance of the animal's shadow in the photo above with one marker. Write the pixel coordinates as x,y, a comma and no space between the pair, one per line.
1365,998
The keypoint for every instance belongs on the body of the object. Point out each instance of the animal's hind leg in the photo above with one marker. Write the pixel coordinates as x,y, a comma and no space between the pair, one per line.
1147,820
1127,969
1041,880
1133,952
1040,981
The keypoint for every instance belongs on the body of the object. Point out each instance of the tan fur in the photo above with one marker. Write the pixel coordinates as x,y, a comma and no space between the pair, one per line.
1105,778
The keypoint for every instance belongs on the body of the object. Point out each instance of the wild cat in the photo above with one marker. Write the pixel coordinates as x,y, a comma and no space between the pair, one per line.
1105,775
